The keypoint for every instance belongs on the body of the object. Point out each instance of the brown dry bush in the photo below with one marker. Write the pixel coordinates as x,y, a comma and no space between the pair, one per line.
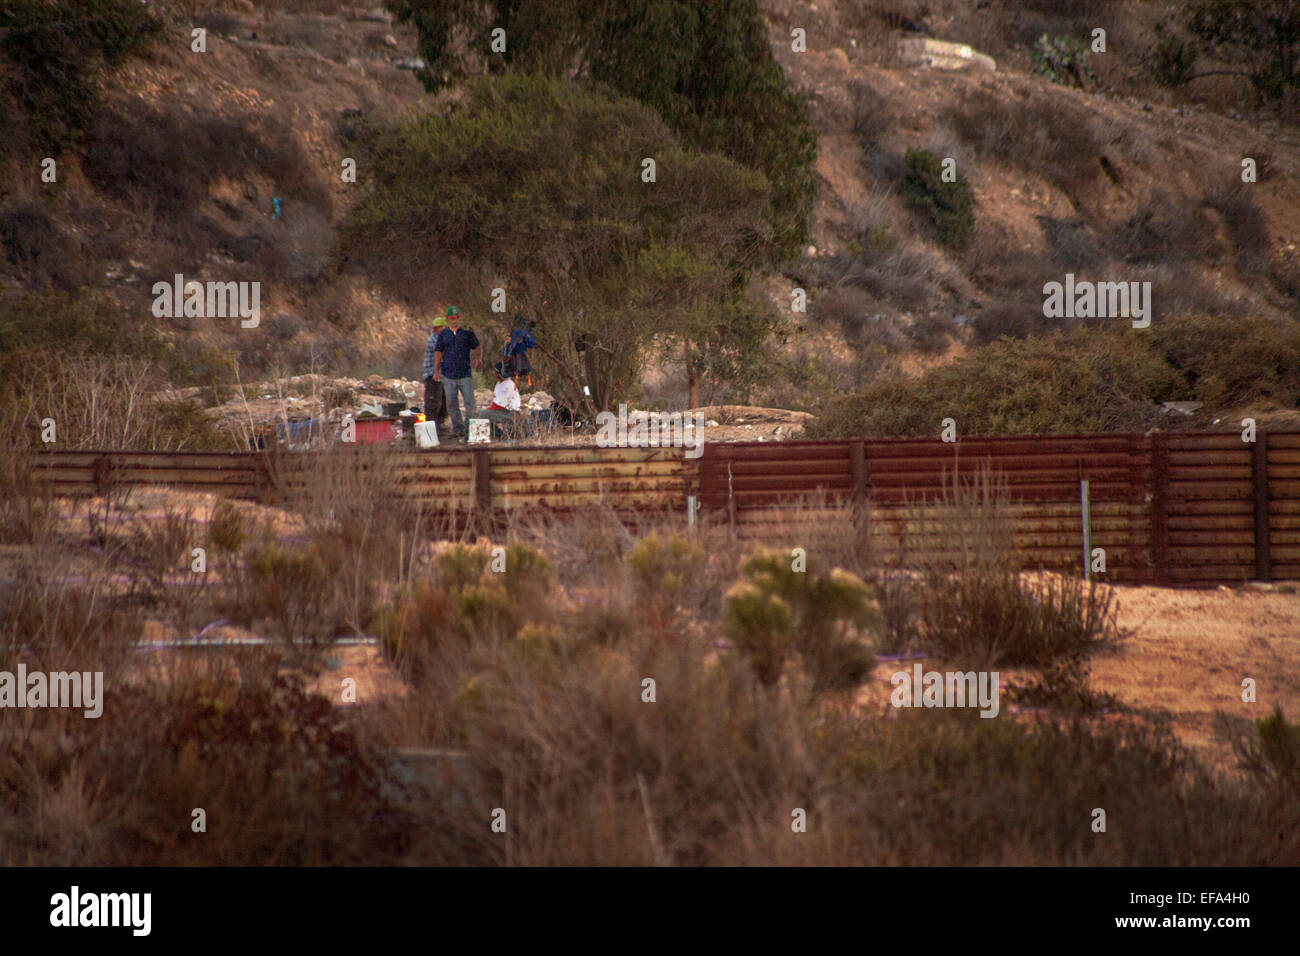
160,561
1042,135
39,250
555,730
133,156
1014,320
52,620
99,402
1161,230
28,511
975,605
360,541
290,590
589,772
279,774
1246,225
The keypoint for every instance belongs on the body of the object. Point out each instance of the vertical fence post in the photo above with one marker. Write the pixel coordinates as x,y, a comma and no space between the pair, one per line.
858,470
1160,507
691,507
731,501
1085,513
1259,472
481,467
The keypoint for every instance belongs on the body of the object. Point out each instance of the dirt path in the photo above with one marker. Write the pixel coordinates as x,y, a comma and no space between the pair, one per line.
1189,651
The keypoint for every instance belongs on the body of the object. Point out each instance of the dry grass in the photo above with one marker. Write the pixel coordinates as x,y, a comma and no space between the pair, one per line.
525,690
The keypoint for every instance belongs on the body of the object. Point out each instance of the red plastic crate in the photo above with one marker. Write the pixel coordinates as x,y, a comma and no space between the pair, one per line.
375,431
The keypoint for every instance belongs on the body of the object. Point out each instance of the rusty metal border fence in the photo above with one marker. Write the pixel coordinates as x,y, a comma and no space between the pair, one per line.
1182,509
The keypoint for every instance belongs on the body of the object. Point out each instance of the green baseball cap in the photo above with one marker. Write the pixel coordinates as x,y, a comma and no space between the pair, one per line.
439,322
453,311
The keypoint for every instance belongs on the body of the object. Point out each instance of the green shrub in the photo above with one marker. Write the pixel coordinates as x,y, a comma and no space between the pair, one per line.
1084,379
528,175
707,70
76,323
225,528
775,610
1273,753
409,627
1081,380
1226,363
1064,60
465,603
53,49
661,568
294,589
949,206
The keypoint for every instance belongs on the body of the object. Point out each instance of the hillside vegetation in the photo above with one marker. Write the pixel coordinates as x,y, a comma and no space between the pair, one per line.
799,157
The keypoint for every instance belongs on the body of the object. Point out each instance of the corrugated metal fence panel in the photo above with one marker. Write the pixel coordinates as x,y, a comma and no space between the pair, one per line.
758,473
1177,507
1284,504
1211,531
569,478
1043,468
1044,534
1184,508
437,479
80,473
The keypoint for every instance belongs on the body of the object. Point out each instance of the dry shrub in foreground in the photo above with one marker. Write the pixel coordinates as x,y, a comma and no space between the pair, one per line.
712,770
592,768
360,542
279,775
542,691
976,606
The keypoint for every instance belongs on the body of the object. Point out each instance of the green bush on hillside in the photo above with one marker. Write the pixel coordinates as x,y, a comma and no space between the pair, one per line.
949,206
539,179
1063,60
1088,379
706,69
53,48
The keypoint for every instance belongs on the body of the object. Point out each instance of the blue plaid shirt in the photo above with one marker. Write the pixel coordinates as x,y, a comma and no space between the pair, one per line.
429,348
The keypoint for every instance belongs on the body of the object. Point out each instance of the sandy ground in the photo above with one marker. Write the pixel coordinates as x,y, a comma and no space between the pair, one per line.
1185,654
1189,652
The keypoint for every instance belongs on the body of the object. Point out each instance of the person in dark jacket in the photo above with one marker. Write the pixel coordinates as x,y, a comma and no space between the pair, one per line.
453,352
516,349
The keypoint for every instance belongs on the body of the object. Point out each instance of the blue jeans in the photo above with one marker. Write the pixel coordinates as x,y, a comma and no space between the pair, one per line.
452,388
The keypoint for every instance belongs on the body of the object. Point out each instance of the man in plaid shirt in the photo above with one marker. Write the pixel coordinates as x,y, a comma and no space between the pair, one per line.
435,399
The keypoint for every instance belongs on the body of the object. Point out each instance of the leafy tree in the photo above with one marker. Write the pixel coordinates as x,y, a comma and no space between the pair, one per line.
534,184
706,69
